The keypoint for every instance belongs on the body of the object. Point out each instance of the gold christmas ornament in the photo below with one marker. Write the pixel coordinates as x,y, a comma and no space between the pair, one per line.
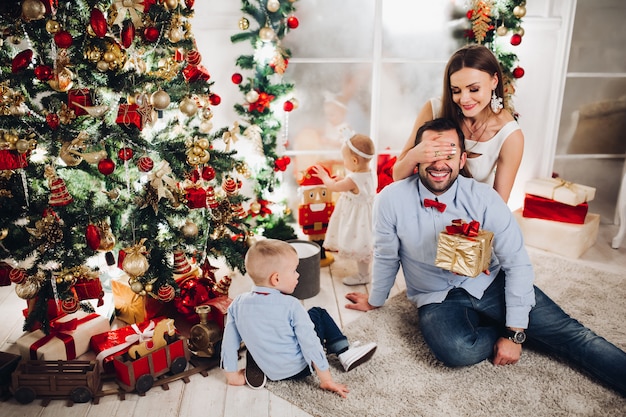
252,96
520,31
267,34
28,289
160,100
175,35
171,4
255,207
244,24
189,230
33,10
136,286
53,26
135,263
273,6
188,106
519,11
502,30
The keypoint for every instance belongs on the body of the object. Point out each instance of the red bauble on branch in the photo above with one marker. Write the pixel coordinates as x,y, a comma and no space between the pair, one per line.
125,154
43,72
98,23
92,235
516,39
128,34
21,61
292,22
518,72
151,34
106,166
145,164
208,173
237,78
63,39
288,106
214,99
52,119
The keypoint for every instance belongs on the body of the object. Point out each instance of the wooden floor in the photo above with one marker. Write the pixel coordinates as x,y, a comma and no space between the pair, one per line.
210,396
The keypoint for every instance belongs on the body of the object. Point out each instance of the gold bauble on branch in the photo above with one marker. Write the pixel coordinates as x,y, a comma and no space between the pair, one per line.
188,106
502,30
53,26
189,230
33,9
244,24
252,96
136,286
171,4
267,34
519,11
273,6
160,100
520,31
28,289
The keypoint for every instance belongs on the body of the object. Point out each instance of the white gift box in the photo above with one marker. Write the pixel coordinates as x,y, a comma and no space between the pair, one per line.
566,239
560,190
62,341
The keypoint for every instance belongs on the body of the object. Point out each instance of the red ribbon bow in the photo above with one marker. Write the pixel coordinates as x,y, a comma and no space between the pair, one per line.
436,204
57,330
459,227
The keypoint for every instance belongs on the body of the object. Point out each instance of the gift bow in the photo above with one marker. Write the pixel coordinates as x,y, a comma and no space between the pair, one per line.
138,336
57,330
230,136
160,176
459,227
130,7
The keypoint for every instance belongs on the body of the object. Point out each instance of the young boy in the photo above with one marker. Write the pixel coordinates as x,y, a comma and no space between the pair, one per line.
285,341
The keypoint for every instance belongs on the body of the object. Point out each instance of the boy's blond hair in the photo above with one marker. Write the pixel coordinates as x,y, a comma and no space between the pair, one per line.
264,256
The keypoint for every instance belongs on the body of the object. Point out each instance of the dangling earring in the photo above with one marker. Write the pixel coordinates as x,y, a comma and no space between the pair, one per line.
496,102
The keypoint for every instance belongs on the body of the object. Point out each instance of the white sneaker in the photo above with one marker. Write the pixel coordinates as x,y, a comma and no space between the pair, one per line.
356,355
357,279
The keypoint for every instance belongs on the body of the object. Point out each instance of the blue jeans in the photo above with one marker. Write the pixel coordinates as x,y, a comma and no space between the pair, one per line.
329,334
462,330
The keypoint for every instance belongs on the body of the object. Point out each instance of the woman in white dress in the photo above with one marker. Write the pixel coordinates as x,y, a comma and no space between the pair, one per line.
350,226
473,96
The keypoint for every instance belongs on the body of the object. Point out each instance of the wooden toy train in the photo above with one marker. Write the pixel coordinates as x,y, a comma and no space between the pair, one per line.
157,362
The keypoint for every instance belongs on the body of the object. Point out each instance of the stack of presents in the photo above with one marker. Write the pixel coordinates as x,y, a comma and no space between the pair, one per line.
105,337
556,217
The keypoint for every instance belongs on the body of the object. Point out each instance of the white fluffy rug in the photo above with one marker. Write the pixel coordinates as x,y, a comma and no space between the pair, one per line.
404,379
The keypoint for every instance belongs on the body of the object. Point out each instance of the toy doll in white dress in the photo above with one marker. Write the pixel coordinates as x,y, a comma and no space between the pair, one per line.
350,227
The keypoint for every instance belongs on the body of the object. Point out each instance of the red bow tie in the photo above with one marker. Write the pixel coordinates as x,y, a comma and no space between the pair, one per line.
436,204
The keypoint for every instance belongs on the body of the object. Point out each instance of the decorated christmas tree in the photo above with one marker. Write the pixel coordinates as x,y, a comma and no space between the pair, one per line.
108,156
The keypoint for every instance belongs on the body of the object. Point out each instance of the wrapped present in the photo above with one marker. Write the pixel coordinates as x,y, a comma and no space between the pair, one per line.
560,190
196,72
79,96
88,289
566,239
543,208
53,310
128,115
68,338
131,307
116,342
464,248
11,159
5,269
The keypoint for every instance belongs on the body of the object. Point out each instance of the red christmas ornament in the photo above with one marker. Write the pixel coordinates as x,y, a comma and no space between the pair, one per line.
237,78
196,197
516,39
151,34
17,275
193,292
53,120
189,3
128,34
21,61
145,164
292,22
70,305
208,173
166,293
214,99
63,39
43,72
106,166
92,235
288,106
518,72
470,14
281,163
98,23
125,154
193,57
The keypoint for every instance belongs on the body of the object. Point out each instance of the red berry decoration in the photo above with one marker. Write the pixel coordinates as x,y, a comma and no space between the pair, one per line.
21,61
208,173
288,106
281,163
214,99
237,78
63,39
53,120
518,72
145,164
292,22
98,23
151,34
17,275
43,72
106,166
516,39
125,154
128,34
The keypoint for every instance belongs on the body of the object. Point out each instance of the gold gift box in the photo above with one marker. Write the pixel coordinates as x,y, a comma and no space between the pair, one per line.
465,255
131,307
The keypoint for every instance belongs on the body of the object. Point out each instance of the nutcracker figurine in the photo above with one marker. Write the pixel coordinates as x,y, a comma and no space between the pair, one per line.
315,211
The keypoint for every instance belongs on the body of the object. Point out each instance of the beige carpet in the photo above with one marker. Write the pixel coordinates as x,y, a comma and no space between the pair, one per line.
404,379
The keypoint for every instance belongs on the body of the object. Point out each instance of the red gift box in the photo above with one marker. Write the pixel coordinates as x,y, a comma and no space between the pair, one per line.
53,311
544,208
5,268
88,289
196,197
10,159
80,96
128,115
196,72
107,345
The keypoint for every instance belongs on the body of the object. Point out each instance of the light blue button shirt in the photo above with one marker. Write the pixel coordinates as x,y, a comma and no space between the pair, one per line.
277,331
406,233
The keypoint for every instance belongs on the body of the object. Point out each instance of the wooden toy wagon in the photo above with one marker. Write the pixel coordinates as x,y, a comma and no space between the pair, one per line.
140,374
77,380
